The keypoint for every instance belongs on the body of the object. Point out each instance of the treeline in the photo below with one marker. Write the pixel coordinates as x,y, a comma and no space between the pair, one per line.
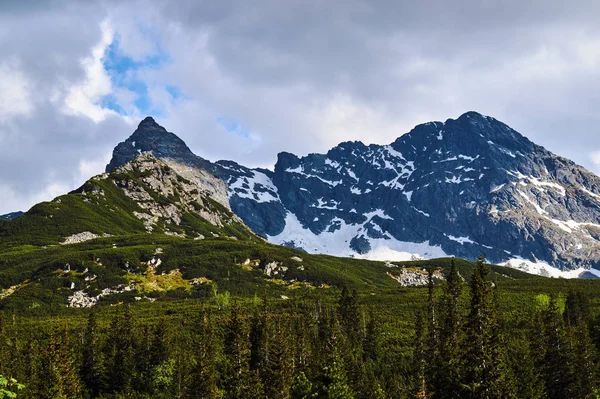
462,346
470,351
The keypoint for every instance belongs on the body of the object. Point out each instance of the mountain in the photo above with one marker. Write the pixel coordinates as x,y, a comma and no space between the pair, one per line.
463,187
142,196
11,216
152,229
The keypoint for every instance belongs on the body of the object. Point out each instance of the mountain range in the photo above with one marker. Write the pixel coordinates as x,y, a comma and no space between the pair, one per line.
466,187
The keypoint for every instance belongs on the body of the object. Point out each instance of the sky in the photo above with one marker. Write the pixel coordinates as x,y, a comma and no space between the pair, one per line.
245,80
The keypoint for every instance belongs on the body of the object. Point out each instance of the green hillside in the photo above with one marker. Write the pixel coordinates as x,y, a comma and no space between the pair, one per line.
138,285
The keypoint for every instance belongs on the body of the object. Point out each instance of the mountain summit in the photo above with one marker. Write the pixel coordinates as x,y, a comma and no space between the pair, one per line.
464,187
151,137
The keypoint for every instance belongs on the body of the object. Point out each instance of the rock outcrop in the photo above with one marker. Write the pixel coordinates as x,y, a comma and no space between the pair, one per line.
466,187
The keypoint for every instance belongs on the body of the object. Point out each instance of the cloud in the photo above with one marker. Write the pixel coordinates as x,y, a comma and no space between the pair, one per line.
243,81
16,92
84,98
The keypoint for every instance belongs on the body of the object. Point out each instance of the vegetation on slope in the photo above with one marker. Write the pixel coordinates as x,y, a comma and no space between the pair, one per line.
459,339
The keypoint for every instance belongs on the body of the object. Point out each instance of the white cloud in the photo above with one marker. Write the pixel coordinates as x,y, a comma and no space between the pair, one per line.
595,157
92,167
300,77
83,97
15,92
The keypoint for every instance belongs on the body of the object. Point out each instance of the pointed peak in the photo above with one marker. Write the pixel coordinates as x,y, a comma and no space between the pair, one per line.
472,114
152,137
148,121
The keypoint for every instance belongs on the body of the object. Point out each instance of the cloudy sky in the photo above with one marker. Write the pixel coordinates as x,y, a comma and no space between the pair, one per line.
244,80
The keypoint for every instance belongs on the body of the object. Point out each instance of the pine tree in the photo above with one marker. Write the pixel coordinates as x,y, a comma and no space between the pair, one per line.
450,354
278,372
91,363
237,356
556,364
420,383
479,356
585,362
302,387
119,351
204,373
258,341
349,311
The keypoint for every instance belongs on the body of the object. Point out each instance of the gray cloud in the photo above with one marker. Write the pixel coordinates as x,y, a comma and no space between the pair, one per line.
298,76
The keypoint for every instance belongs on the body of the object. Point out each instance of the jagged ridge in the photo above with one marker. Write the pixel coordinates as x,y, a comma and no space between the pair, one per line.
463,187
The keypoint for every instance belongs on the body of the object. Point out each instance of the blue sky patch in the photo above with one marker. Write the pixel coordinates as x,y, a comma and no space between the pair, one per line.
234,126
124,74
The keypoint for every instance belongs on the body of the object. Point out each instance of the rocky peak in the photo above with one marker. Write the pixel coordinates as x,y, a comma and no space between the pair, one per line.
463,187
167,191
151,137
149,123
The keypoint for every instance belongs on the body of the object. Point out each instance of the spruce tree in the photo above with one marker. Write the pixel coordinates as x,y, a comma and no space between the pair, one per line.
479,332
91,363
528,381
119,351
204,376
4,348
337,386
278,372
432,369
556,361
237,356
450,338
302,388
349,311
420,383
585,362
258,341
371,341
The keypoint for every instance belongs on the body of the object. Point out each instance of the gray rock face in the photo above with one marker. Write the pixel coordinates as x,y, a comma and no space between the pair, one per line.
463,187
251,192
151,137
470,186
190,188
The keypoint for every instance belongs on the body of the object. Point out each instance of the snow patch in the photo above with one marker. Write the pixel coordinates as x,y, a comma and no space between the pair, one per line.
261,188
544,269
337,243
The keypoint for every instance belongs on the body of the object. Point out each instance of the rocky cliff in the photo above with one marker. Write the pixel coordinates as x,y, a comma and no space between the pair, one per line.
466,187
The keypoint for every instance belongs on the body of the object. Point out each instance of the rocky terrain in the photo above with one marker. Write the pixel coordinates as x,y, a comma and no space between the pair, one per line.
187,190
463,187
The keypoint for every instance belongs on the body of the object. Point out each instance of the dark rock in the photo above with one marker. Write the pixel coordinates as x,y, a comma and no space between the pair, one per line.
469,186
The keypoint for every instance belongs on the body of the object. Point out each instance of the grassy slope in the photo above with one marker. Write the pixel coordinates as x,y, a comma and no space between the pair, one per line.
101,207
38,272
32,262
